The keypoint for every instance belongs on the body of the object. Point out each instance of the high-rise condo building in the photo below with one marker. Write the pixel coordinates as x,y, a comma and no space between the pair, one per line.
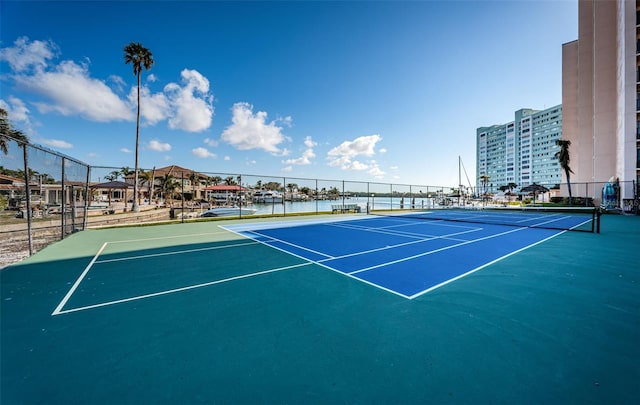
601,94
521,151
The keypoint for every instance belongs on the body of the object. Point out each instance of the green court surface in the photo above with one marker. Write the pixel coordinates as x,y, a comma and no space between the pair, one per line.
191,313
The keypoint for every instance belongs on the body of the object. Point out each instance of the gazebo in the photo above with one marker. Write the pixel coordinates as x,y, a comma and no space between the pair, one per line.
534,189
110,186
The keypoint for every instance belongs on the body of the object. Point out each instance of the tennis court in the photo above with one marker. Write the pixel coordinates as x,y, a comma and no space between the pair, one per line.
412,253
327,309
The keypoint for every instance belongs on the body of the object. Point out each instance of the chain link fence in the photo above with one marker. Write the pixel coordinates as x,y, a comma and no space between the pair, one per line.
45,196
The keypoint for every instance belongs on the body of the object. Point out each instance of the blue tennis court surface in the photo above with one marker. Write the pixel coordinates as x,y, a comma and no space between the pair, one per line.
408,257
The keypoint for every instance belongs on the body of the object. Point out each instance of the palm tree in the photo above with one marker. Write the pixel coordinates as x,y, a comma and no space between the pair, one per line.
563,157
125,172
484,179
147,177
7,132
140,57
511,186
113,175
168,185
216,180
194,178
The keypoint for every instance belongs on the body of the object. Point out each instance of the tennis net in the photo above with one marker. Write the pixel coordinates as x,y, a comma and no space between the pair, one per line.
583,219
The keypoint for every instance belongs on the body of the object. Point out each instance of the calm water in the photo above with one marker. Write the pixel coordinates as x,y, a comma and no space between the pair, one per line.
323,206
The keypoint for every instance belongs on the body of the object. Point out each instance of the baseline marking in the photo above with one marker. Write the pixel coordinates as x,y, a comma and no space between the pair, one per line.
95,260
175,290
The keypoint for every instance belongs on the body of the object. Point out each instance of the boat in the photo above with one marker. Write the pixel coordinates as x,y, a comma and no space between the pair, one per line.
267,197
228,212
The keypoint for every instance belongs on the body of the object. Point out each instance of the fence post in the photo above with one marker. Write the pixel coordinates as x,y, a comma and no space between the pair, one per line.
63,202
28,196
87,200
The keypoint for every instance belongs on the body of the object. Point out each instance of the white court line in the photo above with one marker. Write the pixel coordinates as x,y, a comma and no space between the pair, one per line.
177,252
482,267
166,237
271,238
325,266
330,257
427,239
436,251
78,281
175,290
416,235
258,226
319,263
95,260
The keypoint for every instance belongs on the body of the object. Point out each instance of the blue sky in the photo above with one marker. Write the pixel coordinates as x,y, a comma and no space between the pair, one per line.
364,91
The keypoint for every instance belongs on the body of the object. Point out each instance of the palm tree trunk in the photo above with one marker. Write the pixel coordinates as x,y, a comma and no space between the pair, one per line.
568,186
134,206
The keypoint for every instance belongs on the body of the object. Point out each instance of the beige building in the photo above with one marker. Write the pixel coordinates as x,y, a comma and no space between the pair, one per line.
601,95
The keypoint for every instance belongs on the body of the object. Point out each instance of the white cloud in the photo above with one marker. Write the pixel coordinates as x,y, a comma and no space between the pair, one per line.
192,103
288,121
343,155
158,146
382,150
394,168
73,92
68,87
309,143
125,150
375,171
363,145
118,82
287,169
227,158
252,131
25,55
153,107
356,165
56,143
211,142
307,155
18,113
202,153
